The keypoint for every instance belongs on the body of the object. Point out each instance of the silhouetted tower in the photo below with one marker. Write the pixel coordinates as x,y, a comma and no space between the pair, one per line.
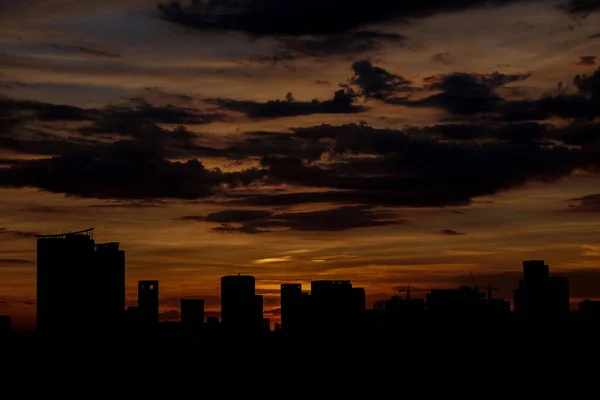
5,325
110,275
192,315
148,302
192,311
239,304
560,299
80,285
294,308
535,289
336,305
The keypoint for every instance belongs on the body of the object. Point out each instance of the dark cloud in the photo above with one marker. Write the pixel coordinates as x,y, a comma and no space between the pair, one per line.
444,58
9,261
586,61
127,171
229,216
466,93
86,50
338,219
580,8
450,232
405,168
347,43
589,85
474,95
306,17
137,119
322,82
45,111
341,103
5,232
131,204
377,83
589,203
596,36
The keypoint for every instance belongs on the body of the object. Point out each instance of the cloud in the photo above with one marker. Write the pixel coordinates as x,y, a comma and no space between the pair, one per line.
346,44
466,93
580,8
229,216
443,58
589,203
320,17
136,119
337,219
341,103
272,260
446,172
474,95
596,36
86,50
128,170
450,232
377,83
586,61
5,232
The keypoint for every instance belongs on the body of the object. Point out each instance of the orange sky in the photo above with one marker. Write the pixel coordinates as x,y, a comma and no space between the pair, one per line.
111,52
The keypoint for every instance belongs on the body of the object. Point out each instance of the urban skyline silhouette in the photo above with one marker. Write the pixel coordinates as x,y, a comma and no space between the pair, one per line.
72,266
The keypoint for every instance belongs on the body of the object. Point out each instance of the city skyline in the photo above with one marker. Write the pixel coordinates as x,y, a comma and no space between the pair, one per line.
406,144
89,278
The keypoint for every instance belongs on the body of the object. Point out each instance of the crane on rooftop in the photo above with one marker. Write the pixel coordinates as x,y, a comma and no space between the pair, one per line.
489,288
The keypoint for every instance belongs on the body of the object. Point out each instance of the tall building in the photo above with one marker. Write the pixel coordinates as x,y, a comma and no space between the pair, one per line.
541,296
559,296
148,302
294,308
5,324
241,309
192,312
80,284
110,273
336,305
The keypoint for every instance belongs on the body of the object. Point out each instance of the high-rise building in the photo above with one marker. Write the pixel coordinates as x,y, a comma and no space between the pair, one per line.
559,296
192,312
5,324
240,305
110,273
148,302
293,308
80,284
336,305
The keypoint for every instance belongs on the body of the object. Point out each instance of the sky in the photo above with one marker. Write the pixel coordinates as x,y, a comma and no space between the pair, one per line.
424,143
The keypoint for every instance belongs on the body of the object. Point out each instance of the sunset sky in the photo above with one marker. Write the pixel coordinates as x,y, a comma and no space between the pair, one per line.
389,143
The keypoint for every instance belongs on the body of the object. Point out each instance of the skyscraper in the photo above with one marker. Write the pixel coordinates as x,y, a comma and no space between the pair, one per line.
148,302
80,285
240,305
192,312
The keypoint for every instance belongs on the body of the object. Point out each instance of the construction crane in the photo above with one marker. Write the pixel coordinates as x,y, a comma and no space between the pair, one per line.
489,289
410,289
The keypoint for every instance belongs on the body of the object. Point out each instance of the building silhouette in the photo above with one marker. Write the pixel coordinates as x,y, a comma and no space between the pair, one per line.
147,308
241,308
80,284
192,315
5,324
336,306
295,309
541,297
